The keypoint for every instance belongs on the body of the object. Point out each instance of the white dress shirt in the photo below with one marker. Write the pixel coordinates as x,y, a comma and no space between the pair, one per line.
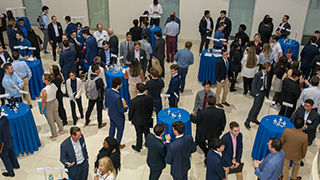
171,29
306,115
208,23
3,58
55,27
78,151
313,93
103,35
137,54
153,8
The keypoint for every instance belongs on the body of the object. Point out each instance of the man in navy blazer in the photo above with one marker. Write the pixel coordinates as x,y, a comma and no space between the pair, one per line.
215,169
105,56
91,46
174,86
179,151
70,25
116,110
231,156
157,151
67,60
74,155
307,54
53,37
8,157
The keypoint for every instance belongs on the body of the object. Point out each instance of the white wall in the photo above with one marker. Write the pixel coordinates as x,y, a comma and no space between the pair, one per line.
10,4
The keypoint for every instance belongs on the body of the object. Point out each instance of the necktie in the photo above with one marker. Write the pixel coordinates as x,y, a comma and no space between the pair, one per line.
128,46
204,101
265,81
227,66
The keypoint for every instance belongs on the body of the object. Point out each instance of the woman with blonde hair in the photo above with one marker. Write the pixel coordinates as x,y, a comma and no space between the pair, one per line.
265,55
11,33
106,170
256,43
135,75
249,68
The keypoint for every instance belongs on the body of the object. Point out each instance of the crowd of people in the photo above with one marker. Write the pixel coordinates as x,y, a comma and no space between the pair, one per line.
261,63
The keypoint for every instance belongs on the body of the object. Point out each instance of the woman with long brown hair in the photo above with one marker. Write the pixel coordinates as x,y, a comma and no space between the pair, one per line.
57,80
134,74
265,55
249,68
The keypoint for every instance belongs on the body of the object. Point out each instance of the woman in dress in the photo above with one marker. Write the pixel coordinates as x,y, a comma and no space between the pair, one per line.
135,75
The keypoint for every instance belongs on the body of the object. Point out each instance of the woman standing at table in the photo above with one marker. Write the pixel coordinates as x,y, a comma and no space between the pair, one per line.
249,68
135,75
11,33
256,42
57,80
35,41
106,170
49,101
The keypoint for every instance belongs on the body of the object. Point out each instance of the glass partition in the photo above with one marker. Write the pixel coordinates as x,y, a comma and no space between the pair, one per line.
33,10
98,13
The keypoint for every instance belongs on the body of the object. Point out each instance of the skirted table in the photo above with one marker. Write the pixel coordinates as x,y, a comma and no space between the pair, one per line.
207,67
35,83
164,117
290,44
23,129
154,29
124,90
270,127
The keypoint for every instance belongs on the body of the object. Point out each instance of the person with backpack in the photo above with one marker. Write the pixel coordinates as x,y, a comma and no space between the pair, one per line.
44,22
95,93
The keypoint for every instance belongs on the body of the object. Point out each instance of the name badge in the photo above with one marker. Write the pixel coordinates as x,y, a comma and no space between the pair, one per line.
141,57
309,121
262,77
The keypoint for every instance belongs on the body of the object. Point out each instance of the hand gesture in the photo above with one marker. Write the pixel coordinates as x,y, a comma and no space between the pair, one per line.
168,137
96,177
69,164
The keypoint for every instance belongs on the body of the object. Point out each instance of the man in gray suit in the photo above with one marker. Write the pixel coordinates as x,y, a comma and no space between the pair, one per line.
65,38
125,47
158,50
259,91
145,45
202,96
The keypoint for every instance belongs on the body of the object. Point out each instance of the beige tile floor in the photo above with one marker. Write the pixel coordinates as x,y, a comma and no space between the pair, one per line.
134,165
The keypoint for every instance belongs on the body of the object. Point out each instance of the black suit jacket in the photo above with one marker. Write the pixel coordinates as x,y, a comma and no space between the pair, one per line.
136,33
286,31
227,29
157,152
5,135
158,49
221,70
52,33
227,154
307,54
290,92
265,33
312,121
143,58
141,108
203,26
76,46
102,55
210,123
114,44
257,83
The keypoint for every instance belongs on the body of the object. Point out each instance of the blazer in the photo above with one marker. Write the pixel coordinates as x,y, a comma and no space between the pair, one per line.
286,31
70,26
71,46
67,61
136,33
103,58
114,44
79,88
124,51
290,91
227,29
178,155
312,121
265,33
215,169
115,110
227,154
67,154
203,26
257,83
5,135
141,109
174,87
52,33
80,38
143,58
11,33
157,152
221,70
76,47
294,144
91,49
158,49
210,121
307,54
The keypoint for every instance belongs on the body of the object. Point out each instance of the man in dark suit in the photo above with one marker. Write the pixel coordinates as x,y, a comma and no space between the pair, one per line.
215,169
158,50
231,156
157,151
177,20
174,84
67,60
4,58
135,31
70,26
91,46
223,18
259,91
114,42
179,151
55,35
210,121
105,55
307,54
223,72
142,56
290,94
8,157
140,112
205,29
116,110
316,33
310,121
284,28
74,155
77,46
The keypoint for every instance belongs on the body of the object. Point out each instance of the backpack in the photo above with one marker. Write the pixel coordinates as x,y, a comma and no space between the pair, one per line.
91,89
40,21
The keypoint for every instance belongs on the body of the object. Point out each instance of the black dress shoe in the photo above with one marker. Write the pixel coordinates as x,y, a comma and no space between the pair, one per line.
233,90
82,116
87,123
30,106
134,148
301,163
7,174
309,143
64,123
256,121
247,125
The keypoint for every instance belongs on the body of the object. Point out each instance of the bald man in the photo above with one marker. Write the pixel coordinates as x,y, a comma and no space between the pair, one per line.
114,42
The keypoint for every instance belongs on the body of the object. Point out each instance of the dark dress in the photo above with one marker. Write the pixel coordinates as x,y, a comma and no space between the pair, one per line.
35,41
59,95
114,156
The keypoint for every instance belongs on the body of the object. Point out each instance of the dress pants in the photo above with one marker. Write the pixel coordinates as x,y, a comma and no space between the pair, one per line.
184,177
173,101
311,135
155,21
247,84
99,110
161,61
62,111
157,103
256,107
82,171
119,124
139,130
182,72
1,38
289,112
233,80
295,169
203,146
9,160
54,47
2,91
225,87
305,72
26,88
155,174
73,109
238,175
53,116
170,42
45,39
205,41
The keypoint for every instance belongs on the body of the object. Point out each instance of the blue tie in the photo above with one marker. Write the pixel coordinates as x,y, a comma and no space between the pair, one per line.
227,67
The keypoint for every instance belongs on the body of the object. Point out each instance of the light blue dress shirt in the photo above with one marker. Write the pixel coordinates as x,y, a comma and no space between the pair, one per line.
271,166
107,53
218,35
184,58
7,81
45,20
21,69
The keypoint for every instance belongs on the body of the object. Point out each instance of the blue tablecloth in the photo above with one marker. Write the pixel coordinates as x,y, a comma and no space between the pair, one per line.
290,44
154,29
266,131
25,20
207,67
23,130
35,83
163,117
124,90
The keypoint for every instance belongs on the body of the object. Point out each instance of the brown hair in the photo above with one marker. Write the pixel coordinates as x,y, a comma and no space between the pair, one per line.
251,57
266,65
314,81
174,66
137,43
12,23
179,126
56,72
135,68
97,60
289,51
266,50
74,130
154,72
188,44
47,77
233,124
